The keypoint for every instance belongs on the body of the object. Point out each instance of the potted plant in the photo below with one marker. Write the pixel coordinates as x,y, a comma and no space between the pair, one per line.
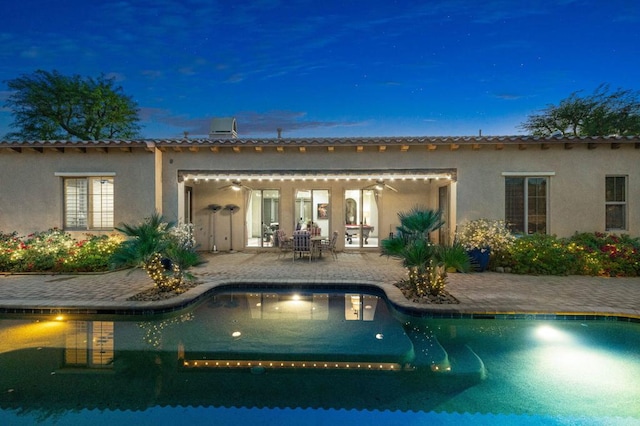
481,236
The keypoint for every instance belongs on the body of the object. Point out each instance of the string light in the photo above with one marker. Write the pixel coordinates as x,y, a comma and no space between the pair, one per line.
235,364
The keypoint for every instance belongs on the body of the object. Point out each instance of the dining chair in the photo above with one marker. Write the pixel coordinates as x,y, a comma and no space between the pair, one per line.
330,245
302,244
284,243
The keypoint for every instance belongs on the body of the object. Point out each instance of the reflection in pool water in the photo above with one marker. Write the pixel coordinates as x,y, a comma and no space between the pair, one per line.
273,356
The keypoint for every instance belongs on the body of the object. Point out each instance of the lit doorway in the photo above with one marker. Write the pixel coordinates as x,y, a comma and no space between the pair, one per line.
313,210
361,218
263,217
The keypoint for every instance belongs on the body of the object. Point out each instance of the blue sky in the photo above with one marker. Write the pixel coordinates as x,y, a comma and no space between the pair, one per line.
329,68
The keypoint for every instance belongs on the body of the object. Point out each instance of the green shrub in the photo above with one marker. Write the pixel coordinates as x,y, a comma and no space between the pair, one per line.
582,254
540,254
456,257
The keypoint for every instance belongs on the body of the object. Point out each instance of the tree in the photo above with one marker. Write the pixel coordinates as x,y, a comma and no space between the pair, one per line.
48,105
602,113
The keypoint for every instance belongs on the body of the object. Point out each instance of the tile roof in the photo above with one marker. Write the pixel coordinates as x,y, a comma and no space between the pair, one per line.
339,141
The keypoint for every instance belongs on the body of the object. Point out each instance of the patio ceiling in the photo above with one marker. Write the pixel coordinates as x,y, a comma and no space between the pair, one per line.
310,175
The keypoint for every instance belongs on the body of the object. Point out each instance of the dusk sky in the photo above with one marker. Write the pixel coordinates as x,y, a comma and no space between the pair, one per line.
329,68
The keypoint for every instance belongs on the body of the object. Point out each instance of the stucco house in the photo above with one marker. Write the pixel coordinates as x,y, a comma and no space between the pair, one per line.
237,192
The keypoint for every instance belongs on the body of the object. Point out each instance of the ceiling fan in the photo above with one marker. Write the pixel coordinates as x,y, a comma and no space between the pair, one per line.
380,185
235,185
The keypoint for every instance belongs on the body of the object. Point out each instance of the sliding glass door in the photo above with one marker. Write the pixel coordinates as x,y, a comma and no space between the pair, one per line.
263,217
312,210
361,218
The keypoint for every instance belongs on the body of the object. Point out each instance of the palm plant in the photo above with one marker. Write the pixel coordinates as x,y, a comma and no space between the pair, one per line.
152,247
419,222
411,243
456,257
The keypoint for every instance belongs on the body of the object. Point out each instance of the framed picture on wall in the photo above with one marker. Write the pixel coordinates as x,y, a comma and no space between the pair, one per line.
323,210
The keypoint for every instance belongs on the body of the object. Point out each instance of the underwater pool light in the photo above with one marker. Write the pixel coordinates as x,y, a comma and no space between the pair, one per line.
550,334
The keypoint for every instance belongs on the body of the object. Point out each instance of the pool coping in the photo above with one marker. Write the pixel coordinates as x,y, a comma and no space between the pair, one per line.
393,295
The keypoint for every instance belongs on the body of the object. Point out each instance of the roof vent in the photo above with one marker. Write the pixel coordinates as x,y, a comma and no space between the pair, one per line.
225,127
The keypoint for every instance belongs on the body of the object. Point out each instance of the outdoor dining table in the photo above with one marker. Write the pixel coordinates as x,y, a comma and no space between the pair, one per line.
316,242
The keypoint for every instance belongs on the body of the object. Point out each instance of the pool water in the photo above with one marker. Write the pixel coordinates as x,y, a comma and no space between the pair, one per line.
315,357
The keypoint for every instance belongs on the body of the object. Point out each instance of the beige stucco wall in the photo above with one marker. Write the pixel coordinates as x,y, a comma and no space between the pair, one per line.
318,160
576,190
31,196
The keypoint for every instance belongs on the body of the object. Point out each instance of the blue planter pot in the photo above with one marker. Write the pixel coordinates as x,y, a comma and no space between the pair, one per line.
479,259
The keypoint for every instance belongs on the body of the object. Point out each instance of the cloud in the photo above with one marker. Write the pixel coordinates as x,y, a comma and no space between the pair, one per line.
250,123
261,123
153,74
508,96
31,53
234,78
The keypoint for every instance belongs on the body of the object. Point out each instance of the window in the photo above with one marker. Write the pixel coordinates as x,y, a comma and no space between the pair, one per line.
526,204
616,203
88,202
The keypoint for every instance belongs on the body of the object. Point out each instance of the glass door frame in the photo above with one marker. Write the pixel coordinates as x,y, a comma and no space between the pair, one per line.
319,206
361,219
266,232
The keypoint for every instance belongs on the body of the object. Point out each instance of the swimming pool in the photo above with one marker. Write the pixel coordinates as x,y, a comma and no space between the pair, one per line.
320,356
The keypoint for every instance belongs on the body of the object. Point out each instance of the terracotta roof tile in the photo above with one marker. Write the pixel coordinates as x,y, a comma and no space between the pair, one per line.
346,141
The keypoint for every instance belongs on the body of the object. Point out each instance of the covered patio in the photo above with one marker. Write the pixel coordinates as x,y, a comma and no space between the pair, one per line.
245,208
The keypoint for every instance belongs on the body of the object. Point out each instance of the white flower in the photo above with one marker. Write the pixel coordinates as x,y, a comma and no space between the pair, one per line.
183,235
485,233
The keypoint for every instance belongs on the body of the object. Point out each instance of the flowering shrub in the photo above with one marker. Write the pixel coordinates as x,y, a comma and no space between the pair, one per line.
607,254
582,254
182,235
484,233
55,251
540,254
10,246
92,254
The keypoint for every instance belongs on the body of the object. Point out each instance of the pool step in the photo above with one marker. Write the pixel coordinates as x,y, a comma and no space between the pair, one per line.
429,353
464,361
452,357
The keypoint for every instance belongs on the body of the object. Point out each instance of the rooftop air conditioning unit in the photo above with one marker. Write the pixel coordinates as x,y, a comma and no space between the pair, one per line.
223,128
